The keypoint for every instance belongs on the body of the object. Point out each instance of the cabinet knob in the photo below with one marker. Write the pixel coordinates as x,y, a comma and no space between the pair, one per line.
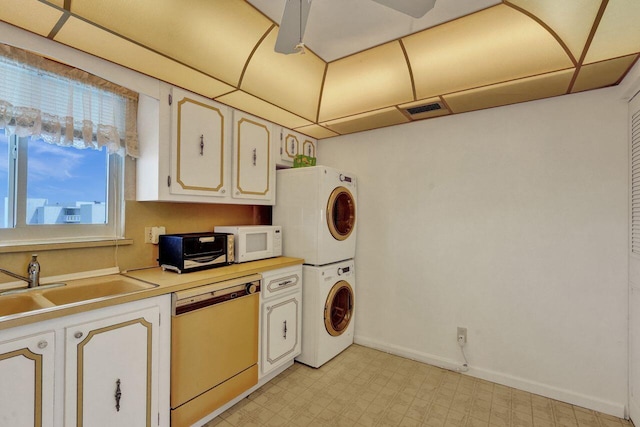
78,334
43,344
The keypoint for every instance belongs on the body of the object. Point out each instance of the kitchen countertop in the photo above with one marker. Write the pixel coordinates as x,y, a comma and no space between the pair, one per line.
165,281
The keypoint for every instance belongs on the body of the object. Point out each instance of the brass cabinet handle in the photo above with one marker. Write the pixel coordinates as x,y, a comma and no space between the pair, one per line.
118,395
285,329
202,145
255,156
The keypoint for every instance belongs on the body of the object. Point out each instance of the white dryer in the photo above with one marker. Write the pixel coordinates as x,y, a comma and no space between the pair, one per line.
328,296
316,208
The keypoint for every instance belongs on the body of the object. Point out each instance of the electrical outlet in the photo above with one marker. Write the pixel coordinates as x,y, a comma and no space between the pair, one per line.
461,336
148,234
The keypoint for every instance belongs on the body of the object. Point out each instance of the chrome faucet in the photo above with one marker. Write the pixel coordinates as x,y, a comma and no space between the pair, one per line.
33,271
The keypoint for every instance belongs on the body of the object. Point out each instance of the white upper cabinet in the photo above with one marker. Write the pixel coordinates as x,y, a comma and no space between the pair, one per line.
193,149
198,147
253,168
293,143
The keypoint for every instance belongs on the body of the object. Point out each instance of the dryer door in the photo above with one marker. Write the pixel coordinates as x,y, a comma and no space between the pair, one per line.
341,213
338,309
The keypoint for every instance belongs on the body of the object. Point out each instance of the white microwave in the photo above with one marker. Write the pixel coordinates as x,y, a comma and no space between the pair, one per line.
253,242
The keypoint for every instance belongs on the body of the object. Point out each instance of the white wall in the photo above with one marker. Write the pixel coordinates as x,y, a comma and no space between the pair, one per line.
511,222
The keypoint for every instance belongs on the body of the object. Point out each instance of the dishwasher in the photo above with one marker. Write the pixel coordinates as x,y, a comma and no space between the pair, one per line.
214,346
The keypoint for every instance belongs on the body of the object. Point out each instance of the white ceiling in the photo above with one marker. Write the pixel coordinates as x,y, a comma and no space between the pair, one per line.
338,28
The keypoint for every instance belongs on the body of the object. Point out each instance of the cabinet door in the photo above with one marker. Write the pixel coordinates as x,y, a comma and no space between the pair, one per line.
281,331
253,167
290,145
199,134
110,375
293,143
26,369
309,147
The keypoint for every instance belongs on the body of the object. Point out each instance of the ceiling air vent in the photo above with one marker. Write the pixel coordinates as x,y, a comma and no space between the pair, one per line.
425,111
424,108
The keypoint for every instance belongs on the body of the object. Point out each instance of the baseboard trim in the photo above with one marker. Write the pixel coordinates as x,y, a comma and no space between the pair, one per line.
616,409
634,411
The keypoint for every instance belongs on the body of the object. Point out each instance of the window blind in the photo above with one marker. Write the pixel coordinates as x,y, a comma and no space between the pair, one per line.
62,110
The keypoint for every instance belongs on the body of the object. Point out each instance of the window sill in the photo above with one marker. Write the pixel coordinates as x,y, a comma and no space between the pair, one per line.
48,245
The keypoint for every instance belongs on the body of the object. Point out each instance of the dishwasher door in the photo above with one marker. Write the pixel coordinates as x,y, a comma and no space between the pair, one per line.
214,349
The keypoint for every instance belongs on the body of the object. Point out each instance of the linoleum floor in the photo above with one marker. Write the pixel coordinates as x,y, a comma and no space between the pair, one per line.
365,387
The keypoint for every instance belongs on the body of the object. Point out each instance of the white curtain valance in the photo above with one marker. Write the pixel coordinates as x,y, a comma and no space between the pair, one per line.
65,106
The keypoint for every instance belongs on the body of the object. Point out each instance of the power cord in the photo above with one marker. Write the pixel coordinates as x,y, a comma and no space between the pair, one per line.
465,365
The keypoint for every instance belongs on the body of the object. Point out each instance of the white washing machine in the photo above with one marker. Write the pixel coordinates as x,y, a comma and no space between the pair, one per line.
316,208
328,296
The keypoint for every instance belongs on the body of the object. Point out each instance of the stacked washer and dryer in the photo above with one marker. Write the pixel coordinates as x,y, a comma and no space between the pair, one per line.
316,208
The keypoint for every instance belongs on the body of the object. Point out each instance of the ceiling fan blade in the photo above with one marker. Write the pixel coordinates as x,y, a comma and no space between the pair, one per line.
292,26
415,8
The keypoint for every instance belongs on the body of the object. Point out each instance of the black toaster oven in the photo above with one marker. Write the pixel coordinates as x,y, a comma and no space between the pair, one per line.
195,251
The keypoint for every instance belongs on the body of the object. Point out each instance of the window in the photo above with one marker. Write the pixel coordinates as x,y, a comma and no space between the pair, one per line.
62,143
52,192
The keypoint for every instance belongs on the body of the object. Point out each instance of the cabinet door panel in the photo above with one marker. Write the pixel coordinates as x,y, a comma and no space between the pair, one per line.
290,147
26,369
109,370
252,177
309,148
281,331
198,147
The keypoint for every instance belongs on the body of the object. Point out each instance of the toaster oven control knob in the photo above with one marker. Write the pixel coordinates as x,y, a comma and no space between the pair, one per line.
251,288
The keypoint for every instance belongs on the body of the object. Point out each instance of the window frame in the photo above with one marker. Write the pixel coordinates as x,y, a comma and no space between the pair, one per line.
23,233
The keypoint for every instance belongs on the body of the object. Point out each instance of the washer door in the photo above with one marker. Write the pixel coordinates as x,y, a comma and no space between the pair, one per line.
338,309
341,213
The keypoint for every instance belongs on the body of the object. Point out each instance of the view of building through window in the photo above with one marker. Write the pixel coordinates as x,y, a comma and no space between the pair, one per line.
63,185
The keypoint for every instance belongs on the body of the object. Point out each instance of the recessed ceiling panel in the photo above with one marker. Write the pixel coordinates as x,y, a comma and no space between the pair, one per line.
215,37
31,15
91,39
252,105
618,33
528,89
570,20
369,80
316,131
367,121
293,82
491,46
601,74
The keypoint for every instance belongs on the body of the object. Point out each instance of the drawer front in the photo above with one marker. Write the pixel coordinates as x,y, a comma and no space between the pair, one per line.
280,282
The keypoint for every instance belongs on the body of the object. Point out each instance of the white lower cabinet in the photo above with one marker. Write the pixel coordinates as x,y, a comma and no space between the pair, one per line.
106,367
27,391
109,370
280,317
